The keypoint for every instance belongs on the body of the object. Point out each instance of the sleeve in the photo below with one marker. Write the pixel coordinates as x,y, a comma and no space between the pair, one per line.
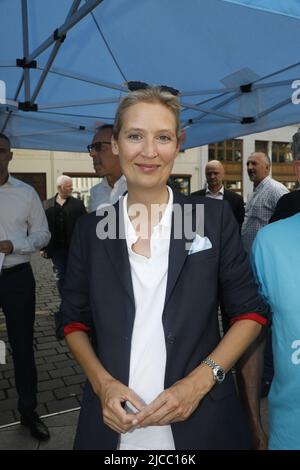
91,202
281,210
241,211
38,234
239,291
76,309
83,208
257,263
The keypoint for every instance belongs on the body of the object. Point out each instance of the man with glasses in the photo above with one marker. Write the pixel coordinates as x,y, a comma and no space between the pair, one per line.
107,166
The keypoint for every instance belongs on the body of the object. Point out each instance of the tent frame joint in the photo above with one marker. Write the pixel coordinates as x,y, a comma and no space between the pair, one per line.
26,65
27,106
58,37
248,120
246,88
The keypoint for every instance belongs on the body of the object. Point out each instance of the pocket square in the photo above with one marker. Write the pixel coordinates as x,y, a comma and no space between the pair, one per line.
199,244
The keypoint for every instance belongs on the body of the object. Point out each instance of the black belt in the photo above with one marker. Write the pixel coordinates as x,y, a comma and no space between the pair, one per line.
13,269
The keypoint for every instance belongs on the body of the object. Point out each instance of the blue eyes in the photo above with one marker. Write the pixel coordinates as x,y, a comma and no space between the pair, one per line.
134,137
137,137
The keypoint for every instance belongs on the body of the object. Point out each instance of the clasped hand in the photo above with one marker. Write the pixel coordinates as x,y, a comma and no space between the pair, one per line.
174,404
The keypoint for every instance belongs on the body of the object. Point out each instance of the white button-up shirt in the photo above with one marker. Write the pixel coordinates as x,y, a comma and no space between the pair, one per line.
103,193
148,347
219,195
259,208
22,221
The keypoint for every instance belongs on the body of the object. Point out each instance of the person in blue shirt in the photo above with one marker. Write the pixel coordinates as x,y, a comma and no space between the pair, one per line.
276,262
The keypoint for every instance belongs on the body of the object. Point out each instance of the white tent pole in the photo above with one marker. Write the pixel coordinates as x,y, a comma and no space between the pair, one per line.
218,106
53,54
229,116
26,71
87,79
62,30
69,104
273,108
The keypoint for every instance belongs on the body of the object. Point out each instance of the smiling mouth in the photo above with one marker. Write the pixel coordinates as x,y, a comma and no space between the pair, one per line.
147,167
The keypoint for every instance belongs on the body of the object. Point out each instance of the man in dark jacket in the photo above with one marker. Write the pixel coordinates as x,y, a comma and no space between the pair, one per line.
62,212
214,171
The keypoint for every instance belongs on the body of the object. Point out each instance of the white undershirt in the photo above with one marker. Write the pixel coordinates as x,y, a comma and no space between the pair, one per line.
219,195
148,347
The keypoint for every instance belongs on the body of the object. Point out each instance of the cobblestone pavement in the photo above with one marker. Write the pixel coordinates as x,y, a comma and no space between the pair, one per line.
60,379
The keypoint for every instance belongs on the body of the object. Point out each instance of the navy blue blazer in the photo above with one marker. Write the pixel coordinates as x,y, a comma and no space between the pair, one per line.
98,292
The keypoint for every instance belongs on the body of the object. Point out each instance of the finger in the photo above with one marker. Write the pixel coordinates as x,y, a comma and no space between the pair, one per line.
152,408
172,417
115,422
135,400
121,416
115,427
159,415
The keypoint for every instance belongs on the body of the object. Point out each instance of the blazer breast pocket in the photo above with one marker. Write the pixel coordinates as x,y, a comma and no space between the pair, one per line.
201,256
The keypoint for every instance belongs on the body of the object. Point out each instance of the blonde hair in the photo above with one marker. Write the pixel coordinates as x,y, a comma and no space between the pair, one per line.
152,94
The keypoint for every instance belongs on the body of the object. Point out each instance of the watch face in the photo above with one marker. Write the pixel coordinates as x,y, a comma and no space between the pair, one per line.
219,374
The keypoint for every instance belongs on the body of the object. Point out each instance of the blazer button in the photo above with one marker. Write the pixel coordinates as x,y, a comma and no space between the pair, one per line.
170,338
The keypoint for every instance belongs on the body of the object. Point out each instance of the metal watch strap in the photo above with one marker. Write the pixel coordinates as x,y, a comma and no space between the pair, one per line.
218,372
209,362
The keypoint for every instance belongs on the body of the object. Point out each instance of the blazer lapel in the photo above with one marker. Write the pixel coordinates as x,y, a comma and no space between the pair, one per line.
179,247
118,253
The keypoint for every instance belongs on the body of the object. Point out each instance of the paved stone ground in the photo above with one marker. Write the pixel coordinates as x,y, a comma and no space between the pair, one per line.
60,378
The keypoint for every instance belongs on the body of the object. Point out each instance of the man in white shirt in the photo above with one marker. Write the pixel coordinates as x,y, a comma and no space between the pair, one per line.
107,166
23,230
262,201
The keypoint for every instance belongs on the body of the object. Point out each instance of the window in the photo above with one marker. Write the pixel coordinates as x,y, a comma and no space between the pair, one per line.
228,151
261,146
235,186
281,152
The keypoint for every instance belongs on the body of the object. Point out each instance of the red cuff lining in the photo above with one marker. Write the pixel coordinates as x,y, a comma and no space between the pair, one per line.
250,316
75,327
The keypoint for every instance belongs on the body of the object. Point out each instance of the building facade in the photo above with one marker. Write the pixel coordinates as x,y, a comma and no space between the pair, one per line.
41,167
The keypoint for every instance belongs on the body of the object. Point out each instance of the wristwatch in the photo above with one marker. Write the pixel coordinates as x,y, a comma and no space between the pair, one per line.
218,372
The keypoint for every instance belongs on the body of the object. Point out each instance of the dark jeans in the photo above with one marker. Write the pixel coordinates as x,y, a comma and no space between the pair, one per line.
59,263
17,299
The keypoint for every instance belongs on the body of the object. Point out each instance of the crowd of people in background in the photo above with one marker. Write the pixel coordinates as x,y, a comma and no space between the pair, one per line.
140,314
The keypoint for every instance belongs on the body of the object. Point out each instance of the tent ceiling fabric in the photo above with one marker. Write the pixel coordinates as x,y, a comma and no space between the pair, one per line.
234,62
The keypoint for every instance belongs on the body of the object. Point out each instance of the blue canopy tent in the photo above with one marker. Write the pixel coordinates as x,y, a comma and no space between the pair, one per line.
64,64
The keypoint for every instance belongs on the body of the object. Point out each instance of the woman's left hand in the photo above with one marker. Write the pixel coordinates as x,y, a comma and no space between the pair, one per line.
174,404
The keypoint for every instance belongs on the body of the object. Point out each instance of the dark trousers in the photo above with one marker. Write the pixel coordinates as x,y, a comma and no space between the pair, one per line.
17,299
59,260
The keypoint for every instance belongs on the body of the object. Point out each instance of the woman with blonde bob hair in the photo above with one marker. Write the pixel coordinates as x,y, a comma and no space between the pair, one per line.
141,303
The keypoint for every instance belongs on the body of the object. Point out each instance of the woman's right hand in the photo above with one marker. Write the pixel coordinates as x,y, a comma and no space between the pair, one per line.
113,396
